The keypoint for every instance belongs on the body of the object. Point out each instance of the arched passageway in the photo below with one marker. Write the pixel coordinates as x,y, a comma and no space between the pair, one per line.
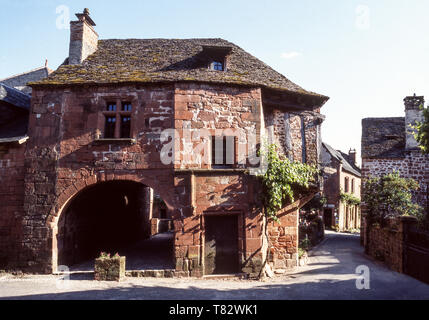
115,216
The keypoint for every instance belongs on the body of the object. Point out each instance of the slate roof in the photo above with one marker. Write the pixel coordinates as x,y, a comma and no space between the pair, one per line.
19,81
348,165
15,130
14,97
383,137
170,60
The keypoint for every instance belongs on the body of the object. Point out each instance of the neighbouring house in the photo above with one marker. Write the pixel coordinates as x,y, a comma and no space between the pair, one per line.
124,124
341,175
388,145
20,81
14,108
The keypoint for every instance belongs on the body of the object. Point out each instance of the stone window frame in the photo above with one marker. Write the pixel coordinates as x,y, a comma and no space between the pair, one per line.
352,186
119,100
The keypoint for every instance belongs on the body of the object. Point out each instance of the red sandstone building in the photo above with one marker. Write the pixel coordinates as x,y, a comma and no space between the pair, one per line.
341,175
94,155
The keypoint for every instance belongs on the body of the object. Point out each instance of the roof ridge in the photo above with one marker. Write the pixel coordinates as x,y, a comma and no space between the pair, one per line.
21,74
340,155
382,118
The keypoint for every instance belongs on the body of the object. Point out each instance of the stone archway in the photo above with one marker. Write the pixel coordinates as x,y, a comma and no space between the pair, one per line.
102,216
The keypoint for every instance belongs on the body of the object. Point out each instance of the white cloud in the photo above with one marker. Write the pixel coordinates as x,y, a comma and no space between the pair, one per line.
291,55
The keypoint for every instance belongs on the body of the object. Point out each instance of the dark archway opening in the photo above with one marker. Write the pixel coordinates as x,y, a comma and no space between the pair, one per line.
113,217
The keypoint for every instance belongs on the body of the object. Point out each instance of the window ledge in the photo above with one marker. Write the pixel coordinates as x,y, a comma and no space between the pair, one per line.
116,140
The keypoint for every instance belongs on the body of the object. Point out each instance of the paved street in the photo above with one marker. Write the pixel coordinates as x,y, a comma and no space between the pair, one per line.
330,274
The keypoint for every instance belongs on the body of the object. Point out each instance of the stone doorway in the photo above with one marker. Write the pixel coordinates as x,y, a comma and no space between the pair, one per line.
115,216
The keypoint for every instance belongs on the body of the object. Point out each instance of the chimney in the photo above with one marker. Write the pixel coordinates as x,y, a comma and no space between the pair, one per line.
352,155
413,114
83,38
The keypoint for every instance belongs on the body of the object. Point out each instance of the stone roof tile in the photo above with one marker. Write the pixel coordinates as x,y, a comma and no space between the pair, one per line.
170,60
383,137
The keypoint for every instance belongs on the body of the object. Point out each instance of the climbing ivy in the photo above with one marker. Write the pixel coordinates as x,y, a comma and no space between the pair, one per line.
281,178
422,131
349,199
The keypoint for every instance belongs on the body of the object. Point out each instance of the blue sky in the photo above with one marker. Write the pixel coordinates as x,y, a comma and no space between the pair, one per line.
366,55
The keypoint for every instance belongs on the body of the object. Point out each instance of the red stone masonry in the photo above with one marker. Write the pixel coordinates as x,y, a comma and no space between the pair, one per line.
66,153
12,191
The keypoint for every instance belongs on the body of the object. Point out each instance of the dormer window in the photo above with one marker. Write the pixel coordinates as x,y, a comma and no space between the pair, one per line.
216,57
217,66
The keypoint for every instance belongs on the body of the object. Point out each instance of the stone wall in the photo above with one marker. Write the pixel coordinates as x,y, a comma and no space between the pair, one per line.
296,133
68,153
415,165
65,155
11,183
283,237
11,202
386,244
400,244
228,192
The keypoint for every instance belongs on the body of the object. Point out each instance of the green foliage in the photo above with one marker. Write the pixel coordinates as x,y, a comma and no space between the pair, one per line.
280,179
317,203
390,196
105,255
301,252
422,131
349,199
305,244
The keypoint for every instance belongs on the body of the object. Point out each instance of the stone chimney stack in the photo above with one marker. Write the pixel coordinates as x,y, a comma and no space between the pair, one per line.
83,38
413,113
352,155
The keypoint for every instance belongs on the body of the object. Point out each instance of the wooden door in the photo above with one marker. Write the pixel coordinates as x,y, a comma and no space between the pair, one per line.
221,244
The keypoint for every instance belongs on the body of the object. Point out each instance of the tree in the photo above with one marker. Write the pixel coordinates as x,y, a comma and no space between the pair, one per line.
422,131
390,196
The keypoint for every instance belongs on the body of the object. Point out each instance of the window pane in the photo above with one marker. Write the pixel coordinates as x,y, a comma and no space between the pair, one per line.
126,106
111,106
125,127
216,65
109,129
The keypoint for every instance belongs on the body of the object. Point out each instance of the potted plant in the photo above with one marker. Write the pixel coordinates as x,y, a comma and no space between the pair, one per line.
109,268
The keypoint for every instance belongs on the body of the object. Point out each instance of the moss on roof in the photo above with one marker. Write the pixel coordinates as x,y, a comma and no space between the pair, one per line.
169,60
383,137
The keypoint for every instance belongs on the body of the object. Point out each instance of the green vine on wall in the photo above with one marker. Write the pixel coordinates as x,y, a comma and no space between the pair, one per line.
281,178
349,199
